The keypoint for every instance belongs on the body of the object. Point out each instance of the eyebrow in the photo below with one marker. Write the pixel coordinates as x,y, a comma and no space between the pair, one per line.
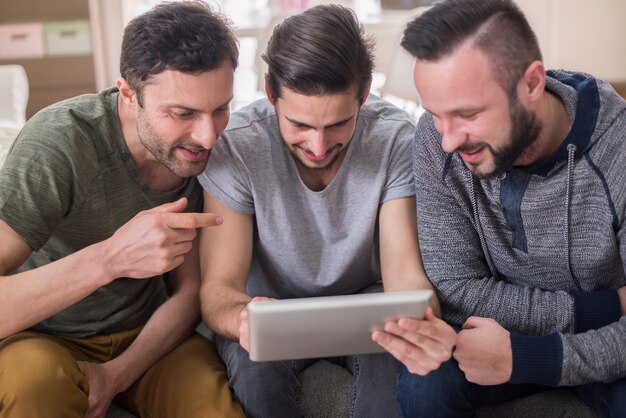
191,109
332,125
459,111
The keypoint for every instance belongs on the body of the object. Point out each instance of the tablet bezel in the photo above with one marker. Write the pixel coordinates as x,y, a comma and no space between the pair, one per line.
327,326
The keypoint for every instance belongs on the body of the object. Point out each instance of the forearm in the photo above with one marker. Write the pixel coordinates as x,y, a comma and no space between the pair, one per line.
30,297
170,324
419,283
221,306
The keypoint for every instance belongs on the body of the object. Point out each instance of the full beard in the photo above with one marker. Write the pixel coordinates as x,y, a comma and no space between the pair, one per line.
525,129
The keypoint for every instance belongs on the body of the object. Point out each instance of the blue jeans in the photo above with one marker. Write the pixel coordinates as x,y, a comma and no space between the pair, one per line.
446,393
271,388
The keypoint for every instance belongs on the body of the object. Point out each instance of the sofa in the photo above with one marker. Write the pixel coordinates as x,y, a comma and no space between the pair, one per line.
326,390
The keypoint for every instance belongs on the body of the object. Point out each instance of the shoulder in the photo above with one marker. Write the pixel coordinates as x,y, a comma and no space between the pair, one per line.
386,115
256,115
77,128
427,143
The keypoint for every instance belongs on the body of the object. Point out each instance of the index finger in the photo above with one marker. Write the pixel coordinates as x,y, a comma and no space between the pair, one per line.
191,220
435,329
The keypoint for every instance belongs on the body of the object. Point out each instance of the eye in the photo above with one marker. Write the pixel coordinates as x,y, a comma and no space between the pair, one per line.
299,125
221,109
183,114
338,125
469,116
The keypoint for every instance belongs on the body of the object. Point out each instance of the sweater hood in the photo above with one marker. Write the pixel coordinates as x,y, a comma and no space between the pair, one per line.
592,105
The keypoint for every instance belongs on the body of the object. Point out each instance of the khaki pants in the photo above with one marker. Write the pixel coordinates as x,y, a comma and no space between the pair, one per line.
39,378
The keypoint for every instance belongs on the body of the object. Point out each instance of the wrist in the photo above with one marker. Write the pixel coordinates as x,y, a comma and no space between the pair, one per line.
104,266
119,374
536,359
621,292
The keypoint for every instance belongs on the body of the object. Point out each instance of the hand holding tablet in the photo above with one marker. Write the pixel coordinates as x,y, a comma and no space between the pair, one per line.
327,326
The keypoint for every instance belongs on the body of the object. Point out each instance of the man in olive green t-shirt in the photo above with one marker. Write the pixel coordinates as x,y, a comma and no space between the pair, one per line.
99,207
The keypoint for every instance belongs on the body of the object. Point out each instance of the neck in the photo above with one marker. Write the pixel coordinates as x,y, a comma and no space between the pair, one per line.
556,125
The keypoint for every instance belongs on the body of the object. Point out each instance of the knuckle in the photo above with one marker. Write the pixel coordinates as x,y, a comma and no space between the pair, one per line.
188,222
445,355
406,350
417,369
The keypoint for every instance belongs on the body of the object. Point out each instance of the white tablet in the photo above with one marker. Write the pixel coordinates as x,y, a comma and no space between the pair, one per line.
327,326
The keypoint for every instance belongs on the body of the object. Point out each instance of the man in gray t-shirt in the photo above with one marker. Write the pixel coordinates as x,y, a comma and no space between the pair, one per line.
315,188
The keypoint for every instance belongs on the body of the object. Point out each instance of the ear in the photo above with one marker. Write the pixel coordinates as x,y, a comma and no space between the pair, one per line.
127,93
533,82
268,91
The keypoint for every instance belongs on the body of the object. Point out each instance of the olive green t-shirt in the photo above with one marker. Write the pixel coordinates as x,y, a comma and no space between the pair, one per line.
69,182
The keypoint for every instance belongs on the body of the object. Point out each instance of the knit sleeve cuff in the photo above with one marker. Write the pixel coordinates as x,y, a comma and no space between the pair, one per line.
593,310
537,360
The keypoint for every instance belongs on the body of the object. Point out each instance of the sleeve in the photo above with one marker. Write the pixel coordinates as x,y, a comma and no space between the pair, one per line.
399,182
559,359
37,184
453,257
225,177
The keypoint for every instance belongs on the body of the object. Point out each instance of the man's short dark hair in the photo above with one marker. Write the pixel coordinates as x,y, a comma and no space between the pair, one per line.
321,51
183,36
497,27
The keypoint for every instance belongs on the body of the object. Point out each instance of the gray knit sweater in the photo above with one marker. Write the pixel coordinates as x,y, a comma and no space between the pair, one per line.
542,249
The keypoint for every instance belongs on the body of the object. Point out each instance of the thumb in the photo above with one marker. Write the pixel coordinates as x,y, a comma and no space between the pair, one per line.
82,366
429,315
171,207
472,322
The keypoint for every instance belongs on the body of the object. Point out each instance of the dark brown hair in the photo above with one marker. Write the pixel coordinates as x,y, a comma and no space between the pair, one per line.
497,27
321,51
183,36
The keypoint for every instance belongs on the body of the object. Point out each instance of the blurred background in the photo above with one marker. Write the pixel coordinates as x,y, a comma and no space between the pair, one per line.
69,47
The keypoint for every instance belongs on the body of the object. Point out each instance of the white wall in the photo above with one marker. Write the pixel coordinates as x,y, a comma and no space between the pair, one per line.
582,35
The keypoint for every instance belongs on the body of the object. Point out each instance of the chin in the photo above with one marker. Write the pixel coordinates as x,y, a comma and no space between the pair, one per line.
189,170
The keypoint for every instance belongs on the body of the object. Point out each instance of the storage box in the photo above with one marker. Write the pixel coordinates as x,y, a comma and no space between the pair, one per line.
21,40
71,37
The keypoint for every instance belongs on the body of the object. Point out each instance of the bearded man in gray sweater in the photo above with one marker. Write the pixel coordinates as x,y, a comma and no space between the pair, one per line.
521,206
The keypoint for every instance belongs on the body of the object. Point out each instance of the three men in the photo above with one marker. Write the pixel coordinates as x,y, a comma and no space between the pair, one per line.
92,215
521,201
315,188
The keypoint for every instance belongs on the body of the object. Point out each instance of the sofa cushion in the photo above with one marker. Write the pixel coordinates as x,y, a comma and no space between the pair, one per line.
326,390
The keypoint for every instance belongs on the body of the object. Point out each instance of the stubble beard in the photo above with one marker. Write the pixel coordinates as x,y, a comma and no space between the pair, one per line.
155,144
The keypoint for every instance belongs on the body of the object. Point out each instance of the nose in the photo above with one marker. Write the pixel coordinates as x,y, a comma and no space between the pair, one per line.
452,136
317,142
204,132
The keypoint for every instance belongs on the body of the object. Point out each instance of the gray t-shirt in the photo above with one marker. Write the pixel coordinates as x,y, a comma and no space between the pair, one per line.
69,182
310,243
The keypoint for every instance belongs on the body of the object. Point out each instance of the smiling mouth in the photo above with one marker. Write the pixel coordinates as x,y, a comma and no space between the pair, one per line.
193,154
472,155
316,158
